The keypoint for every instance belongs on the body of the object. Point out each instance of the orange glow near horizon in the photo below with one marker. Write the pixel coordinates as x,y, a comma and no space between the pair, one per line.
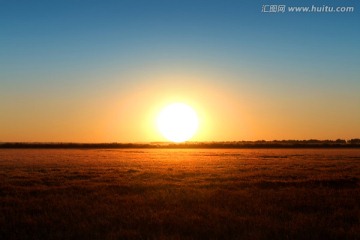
114,114
135,120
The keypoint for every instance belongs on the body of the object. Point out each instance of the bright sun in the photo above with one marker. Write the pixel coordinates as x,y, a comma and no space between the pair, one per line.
177,122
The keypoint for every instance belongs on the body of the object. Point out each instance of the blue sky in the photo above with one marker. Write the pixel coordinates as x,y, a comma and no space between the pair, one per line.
51,48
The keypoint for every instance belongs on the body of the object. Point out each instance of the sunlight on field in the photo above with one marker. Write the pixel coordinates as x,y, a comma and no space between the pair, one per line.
176,194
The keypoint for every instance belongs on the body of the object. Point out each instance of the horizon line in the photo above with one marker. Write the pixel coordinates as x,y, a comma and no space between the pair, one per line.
311,143
170,142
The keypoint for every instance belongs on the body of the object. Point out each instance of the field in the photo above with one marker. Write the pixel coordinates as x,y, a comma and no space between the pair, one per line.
180,194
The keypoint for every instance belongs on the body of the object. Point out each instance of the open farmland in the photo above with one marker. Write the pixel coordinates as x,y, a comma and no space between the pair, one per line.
180,194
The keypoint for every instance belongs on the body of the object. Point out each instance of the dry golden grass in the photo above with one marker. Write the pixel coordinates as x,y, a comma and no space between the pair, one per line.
180,194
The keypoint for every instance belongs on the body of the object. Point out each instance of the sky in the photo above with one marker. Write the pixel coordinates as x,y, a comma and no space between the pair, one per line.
100,71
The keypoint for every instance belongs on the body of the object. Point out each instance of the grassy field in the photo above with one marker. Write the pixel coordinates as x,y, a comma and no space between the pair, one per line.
180,194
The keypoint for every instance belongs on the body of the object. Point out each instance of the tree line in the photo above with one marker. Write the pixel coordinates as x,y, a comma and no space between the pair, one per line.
311,143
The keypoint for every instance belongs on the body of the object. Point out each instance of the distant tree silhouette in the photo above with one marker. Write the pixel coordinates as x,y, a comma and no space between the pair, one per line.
312,143
354,141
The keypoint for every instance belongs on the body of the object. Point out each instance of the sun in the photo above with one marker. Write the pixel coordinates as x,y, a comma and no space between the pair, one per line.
177,122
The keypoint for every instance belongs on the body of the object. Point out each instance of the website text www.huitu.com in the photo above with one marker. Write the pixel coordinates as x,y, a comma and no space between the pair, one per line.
306,9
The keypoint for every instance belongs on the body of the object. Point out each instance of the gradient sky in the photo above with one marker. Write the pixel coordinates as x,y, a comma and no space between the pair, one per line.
100,71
